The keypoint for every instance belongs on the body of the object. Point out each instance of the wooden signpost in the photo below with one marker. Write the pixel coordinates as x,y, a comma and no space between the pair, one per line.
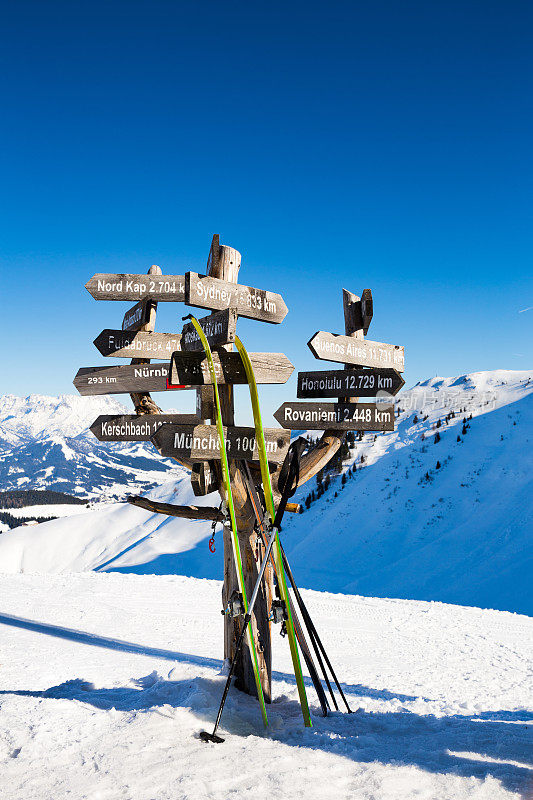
198,442
135,427
349,350
341,383
192,368
163,288
137,344
138,316
123,379
219,329
338,416
192,439
206,292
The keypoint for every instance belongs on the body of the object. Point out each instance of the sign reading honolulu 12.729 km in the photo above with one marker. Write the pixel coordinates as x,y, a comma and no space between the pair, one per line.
344,382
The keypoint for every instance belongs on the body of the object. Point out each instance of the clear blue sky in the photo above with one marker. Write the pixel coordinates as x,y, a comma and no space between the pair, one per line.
384,145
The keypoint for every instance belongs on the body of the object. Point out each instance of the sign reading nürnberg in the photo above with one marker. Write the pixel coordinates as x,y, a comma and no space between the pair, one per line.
123,380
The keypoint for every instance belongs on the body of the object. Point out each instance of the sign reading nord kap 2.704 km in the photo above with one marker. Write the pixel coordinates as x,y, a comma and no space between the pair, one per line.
164,288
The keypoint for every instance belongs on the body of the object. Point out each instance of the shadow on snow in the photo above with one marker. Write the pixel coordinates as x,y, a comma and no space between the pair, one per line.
459,745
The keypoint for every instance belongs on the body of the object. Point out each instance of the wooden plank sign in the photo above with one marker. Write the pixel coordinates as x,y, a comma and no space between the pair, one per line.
218,327
124,379
206,292
140,344
362,352
349,382
192,368
136,317
201,442
134,428
367,309
164,288
336,416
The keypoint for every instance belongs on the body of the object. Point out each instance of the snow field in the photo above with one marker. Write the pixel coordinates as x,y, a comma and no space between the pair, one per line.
108,678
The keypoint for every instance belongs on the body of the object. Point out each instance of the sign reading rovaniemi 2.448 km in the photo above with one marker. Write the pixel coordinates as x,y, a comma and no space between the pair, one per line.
252,468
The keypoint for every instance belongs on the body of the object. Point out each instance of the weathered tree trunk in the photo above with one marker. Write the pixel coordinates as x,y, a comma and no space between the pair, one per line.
224,262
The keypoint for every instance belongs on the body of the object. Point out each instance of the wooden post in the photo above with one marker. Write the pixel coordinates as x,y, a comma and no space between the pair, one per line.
224,262
353,323
143,403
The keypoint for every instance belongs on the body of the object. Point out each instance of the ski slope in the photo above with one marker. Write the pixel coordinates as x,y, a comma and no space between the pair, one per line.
401,527
462,535
106,680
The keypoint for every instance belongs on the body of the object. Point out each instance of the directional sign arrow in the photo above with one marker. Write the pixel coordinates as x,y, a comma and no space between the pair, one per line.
124,379
193,369
138,316
133,428
141,344
164,288
362,352
337,416
349,382
201,442
218,327
207,292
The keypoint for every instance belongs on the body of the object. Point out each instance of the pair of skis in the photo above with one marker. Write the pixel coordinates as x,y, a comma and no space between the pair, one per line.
273,550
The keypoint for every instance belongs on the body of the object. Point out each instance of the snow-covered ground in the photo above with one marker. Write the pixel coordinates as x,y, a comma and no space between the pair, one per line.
50,510
107,679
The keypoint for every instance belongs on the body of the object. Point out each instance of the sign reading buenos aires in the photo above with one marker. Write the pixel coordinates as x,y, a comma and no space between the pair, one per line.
351,350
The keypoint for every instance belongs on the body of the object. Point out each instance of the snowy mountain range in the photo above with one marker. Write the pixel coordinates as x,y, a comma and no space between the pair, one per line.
45,443
412,517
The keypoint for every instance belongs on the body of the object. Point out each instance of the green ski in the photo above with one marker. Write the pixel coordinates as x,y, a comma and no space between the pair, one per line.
234,537
269,499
